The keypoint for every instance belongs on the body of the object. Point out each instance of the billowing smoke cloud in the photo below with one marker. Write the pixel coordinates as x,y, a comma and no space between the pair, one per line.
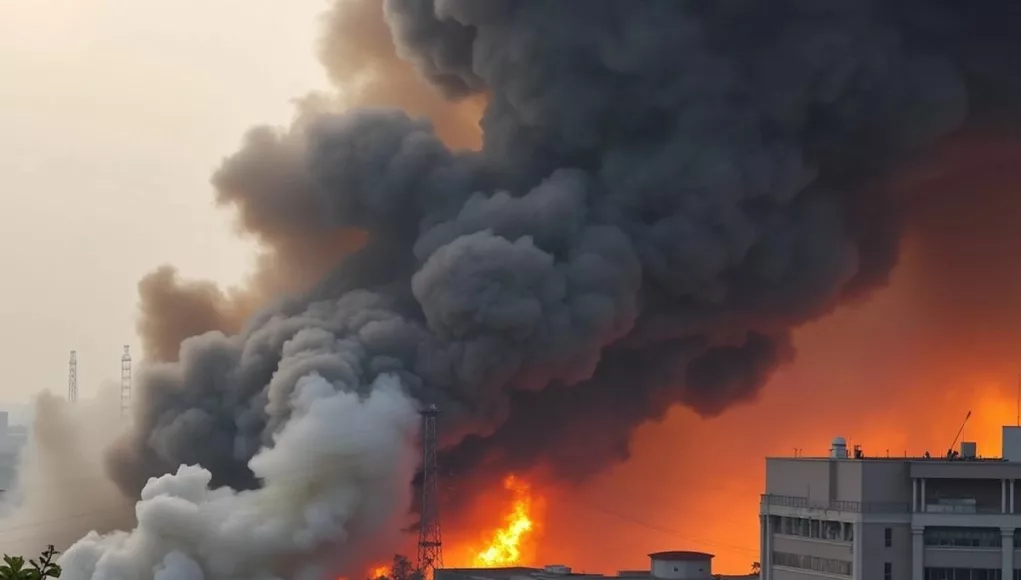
664,190
265,182
338,469
61,491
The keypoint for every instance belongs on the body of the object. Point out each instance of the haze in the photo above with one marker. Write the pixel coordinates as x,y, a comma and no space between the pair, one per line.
114,114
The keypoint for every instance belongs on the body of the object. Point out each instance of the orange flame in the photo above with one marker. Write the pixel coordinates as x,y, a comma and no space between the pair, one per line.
504,547
379,572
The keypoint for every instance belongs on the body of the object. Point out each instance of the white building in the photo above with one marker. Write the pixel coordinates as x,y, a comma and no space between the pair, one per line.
848,515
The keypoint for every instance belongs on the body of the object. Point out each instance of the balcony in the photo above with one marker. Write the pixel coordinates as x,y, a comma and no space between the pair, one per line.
961,507
869,507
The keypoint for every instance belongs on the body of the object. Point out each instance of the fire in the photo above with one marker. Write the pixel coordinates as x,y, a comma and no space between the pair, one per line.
505,545
379,572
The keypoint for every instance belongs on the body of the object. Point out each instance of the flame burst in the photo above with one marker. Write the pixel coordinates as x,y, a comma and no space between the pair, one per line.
379,572
504,547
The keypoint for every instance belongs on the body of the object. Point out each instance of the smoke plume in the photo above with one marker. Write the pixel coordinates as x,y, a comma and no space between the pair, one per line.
61,491
359,56
336,472
663,191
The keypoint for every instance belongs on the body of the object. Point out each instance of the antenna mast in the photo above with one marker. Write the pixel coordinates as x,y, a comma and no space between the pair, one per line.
430,537
952,453
125,382
72,378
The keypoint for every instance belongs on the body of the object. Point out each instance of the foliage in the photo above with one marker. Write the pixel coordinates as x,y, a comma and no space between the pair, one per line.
401,569
14,567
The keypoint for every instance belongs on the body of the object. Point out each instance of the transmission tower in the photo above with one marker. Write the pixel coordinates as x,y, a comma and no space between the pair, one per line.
125,382
72,378
430,537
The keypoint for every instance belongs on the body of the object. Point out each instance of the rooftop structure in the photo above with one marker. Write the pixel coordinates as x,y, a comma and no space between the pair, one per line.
673,565
849,515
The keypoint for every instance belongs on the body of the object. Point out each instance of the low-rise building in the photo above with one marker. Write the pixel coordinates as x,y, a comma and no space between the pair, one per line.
674,565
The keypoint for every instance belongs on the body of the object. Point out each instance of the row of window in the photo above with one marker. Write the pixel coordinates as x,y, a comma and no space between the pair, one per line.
933,536
967,574
817,529
963,537
844,568
814,563
966,537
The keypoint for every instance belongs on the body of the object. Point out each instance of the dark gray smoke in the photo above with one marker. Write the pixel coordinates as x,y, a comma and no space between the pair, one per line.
665,189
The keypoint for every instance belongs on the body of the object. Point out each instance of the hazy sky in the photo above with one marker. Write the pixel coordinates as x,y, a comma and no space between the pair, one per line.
113,113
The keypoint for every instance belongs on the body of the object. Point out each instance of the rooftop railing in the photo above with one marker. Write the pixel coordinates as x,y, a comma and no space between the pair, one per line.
872,507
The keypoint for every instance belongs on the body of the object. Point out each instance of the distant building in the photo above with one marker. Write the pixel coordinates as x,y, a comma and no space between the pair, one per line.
12,440
886,518
663,566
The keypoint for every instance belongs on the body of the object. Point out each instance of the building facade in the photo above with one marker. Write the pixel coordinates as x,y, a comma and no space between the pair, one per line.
851,516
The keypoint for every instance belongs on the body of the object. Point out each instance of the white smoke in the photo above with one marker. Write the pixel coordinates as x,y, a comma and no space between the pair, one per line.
61,491
340,466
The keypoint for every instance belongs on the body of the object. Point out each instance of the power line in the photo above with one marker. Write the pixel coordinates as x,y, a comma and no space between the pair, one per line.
433,539
130,505
658,528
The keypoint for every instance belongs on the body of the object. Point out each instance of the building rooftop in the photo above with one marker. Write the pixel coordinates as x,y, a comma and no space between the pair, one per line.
682,555
919,458
558,571
961,450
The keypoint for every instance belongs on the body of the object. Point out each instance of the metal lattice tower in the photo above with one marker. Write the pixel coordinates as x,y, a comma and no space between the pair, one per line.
430,537
72,377
125,382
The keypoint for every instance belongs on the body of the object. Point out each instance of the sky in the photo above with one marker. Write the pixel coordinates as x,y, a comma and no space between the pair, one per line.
114,115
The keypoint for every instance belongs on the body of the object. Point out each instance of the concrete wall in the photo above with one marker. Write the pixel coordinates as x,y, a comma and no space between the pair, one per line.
876,554
937,469
812,547
847,477
963,557
1012,443
886,481
820,480
791,574
795,477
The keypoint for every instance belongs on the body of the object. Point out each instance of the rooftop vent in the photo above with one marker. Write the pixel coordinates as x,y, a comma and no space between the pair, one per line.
839,448
968,450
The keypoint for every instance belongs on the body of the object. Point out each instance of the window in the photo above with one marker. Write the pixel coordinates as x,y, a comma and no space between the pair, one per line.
964,574
963,537
888,567
889,537
815,529
805,562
